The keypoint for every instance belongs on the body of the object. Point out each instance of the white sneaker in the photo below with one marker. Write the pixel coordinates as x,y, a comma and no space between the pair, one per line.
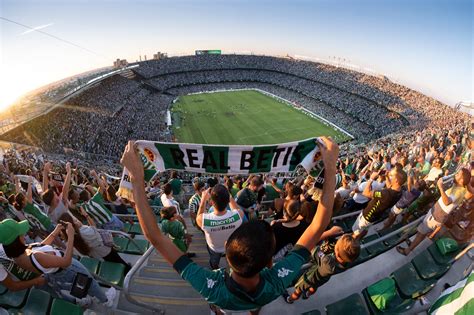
110,294
84,302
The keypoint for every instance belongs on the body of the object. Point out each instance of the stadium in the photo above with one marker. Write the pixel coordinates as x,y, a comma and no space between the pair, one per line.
221,182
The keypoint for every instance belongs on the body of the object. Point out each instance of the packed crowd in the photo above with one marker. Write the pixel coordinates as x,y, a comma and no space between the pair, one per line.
100,120
382,120
52,210
419,109
397,178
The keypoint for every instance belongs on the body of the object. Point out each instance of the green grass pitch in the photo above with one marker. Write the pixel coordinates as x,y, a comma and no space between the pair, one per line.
243,117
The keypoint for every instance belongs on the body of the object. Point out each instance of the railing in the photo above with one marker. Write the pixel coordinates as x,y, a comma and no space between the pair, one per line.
127,281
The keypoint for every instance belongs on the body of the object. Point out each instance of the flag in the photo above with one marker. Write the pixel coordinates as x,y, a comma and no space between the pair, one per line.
222,159
458,299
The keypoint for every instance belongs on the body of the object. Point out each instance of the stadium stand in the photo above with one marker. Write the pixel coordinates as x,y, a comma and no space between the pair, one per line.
395,127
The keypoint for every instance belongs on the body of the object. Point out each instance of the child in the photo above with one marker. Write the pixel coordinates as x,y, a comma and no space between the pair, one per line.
171,225
326,263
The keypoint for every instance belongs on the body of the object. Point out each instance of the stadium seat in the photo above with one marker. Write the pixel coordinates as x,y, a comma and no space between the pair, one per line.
410,284
37,304
313,312
142,247
135,229
126,227
427,267
13,299
394,227
353,304
440,258
61,307
397,305
121,243
112,272
369,238
91,264
3,289
376,248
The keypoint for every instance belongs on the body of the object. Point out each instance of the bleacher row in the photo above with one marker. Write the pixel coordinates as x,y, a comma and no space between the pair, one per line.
412,280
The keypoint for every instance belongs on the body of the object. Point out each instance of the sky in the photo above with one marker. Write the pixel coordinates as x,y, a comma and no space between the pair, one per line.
426,45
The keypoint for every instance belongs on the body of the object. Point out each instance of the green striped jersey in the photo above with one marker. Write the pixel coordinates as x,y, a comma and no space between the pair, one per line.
96,209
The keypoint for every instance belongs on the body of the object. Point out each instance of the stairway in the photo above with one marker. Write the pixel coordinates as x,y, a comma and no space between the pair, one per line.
129,74
158,284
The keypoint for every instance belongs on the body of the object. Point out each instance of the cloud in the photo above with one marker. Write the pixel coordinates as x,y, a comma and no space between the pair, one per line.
36,28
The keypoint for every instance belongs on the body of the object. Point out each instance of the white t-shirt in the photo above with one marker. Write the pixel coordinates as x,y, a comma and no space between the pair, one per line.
433,174
92,237
218,228
359,197
3,273
56,213
169,202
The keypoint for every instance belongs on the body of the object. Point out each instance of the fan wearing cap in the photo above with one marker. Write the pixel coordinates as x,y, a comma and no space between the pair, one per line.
59,269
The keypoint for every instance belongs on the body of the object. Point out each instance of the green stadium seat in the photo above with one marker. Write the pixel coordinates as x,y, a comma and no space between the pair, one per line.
353,304
112,272
369,238
3,289
394,227
121,243
37,304
392,240
126,227
131,210
376,248
13,299
410,284
440,258
135,229
397,305
427,267
61,307
133,249
91,264
313,312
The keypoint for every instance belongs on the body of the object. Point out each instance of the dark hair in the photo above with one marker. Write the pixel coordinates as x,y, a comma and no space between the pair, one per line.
84,195
198,185
250,247
256,181
48,196
174,174
167,212
292,209
15,249
79,243
229,183
20,201
308,210
167,189
220,197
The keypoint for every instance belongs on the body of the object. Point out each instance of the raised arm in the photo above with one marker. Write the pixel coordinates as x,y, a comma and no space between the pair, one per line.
100,182
446,200
67,183
162,243
29,191
51,261
312,235
368,192
46,169
206,195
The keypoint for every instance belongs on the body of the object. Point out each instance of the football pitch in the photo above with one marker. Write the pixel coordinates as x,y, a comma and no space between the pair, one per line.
243,117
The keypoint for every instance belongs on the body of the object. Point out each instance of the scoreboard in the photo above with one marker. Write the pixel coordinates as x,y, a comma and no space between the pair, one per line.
208,52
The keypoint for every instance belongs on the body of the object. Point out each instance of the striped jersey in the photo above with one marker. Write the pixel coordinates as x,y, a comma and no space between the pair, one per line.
194,203
97,210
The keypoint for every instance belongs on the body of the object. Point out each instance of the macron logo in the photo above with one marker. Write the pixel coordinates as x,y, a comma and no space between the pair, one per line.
283,272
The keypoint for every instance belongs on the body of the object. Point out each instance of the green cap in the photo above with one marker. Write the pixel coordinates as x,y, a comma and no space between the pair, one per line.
11,229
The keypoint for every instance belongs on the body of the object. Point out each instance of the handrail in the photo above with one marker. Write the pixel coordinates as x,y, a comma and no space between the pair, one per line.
128,278
386,236
123,234
347,215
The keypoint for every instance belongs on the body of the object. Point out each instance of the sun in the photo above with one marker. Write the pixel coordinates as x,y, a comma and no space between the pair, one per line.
12,87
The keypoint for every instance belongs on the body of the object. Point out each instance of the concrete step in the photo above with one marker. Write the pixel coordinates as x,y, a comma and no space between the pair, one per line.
164,288
159,272
175,306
